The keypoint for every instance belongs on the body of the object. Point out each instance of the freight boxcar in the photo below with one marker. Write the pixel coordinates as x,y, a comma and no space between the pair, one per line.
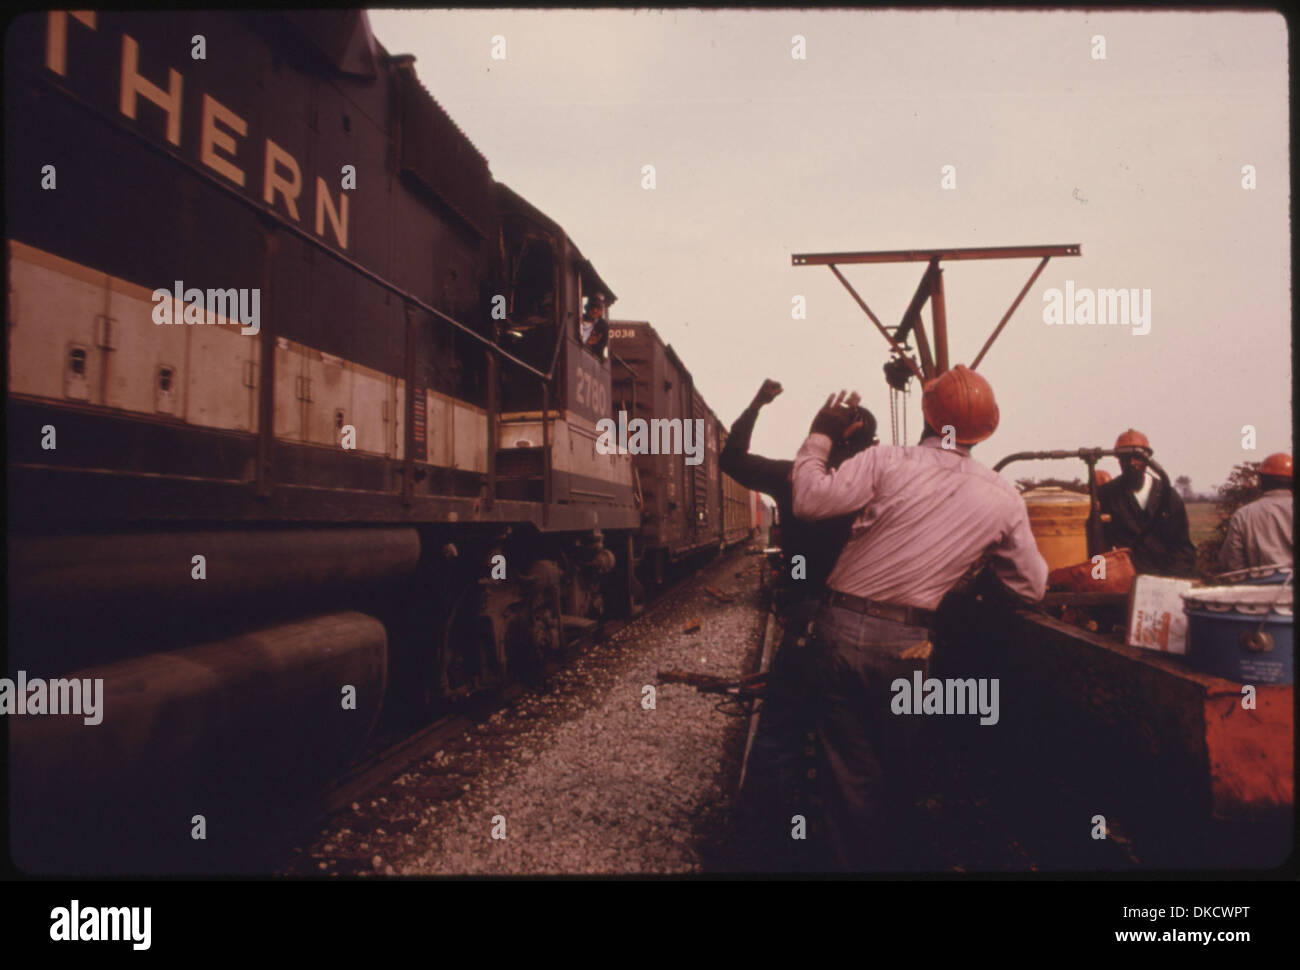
686,507
739,517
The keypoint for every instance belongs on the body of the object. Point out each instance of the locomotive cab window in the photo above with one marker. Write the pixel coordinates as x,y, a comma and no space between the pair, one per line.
593,327
529,331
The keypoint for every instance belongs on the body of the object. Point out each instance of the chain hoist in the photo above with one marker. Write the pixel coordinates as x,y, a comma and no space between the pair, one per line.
898,376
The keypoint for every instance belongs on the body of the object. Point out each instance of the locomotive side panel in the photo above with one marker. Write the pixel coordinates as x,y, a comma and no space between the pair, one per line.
250,309
247,191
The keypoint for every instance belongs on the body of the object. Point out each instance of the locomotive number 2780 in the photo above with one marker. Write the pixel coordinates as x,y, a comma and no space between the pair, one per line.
592,393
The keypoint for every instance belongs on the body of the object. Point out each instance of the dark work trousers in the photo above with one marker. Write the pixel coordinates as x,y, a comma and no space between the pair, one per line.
853,658
786,708
786,680
777,776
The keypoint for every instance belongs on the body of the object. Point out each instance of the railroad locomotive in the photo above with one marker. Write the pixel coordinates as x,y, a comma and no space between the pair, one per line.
296,398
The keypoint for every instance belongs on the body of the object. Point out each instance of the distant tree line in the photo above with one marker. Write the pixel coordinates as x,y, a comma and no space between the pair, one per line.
1241,488
1182,483
1072,485
1184,486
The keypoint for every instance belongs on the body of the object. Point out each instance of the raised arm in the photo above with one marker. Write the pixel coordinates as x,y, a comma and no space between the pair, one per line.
752,471
820,493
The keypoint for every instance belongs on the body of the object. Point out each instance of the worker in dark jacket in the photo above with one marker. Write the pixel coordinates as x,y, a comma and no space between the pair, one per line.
777,768
593,328
818,543
1130,502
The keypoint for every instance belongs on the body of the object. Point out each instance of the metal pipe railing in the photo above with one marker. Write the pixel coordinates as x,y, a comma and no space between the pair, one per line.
1090,456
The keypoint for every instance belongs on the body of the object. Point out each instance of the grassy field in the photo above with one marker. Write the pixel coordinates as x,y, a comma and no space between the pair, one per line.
1201,520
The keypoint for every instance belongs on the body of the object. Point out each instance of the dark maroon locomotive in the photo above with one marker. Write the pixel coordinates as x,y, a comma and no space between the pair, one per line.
296,397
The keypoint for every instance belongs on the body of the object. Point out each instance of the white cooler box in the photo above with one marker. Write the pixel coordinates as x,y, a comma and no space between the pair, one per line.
1156,619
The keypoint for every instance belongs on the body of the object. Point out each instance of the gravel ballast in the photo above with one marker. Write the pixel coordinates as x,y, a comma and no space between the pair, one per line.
579,776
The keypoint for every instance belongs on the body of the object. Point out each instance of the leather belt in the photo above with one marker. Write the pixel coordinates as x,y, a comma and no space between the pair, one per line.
910,615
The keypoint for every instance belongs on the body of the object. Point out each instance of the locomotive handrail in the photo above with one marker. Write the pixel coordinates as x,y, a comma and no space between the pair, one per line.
625,365
307,237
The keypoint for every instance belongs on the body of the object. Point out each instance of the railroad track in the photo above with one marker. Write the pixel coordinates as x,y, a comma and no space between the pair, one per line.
392,760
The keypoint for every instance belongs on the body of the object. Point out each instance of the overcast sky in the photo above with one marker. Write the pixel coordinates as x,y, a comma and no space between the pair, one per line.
758,155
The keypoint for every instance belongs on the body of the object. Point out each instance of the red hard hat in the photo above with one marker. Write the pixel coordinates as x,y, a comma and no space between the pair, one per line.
1101,476
1132,440
963,399
1277,466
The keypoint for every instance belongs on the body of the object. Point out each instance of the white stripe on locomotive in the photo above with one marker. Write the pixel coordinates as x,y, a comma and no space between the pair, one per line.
207,376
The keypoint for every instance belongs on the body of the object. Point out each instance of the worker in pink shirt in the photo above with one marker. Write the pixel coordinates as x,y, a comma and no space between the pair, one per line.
925,515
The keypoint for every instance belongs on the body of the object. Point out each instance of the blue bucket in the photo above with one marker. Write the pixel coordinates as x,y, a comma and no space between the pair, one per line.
1242,633
1272,575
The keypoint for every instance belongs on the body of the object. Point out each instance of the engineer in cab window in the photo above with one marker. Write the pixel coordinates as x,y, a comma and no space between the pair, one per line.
593,329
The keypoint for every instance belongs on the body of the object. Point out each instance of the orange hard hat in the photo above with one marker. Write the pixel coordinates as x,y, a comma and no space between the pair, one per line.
1132,440
1277,465
1101,476
963,399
